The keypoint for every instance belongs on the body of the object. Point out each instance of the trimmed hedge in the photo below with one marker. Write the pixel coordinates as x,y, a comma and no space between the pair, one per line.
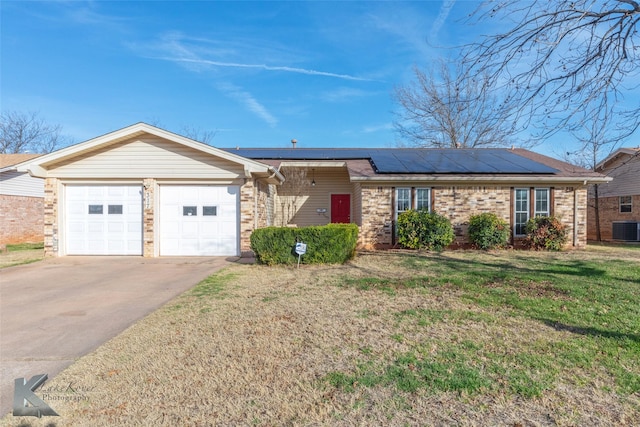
545,232
488,231
326,244
424,230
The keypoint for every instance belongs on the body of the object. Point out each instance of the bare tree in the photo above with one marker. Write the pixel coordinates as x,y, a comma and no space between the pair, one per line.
597,141
442,109
291,194
562,62
26,132
205,136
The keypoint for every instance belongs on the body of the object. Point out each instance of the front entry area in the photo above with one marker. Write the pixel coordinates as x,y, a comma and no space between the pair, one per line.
199,220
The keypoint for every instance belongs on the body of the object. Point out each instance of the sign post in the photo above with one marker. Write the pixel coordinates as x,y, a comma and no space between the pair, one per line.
301,249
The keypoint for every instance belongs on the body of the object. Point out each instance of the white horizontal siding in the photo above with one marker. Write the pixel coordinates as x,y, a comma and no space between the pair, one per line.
13,183
626,178
145,158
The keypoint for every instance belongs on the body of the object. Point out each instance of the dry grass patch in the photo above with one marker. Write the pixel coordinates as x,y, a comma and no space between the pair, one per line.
388,339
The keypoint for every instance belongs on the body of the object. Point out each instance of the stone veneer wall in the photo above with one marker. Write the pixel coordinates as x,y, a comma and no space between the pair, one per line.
565,202
51,202
247,214
21,219
609,208
459,203
148,209
377,216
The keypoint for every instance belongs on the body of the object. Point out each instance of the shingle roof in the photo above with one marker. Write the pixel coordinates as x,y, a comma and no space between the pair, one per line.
14,159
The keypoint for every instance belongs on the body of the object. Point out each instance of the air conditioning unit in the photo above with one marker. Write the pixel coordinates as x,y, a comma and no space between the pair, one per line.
627,231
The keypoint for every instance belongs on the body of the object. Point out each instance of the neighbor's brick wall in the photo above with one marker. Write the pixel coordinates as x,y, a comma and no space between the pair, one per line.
21,219
610,213
377,214
51,217
460,203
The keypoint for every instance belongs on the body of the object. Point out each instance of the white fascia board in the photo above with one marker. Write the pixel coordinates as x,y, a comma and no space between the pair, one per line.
38,166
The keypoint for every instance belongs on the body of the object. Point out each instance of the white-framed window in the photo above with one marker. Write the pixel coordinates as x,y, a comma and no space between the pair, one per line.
626,204
541,202
412,198
403,200
423,199
521,210
524,207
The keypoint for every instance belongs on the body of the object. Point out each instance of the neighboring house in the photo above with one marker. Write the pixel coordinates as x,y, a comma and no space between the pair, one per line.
618,200
21,202
144,191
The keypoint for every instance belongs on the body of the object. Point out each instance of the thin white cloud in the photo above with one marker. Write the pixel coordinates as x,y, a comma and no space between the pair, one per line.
263,67
246,99
378,128
445,9
344,94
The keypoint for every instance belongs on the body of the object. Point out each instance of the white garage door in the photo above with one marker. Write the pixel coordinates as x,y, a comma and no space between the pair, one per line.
103,219
199,220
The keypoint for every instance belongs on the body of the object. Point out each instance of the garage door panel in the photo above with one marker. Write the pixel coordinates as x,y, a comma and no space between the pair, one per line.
103,220
207,232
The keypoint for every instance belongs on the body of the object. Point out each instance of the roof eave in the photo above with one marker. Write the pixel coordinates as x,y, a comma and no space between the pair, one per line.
483,178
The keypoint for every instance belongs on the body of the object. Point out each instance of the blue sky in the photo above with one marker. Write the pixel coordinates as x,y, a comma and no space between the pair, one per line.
256,73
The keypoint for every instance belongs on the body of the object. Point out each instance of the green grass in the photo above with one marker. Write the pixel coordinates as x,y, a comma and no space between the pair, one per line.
24,247
596,301
213,286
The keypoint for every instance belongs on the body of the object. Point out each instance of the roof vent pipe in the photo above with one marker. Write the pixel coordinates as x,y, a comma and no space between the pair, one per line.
294,142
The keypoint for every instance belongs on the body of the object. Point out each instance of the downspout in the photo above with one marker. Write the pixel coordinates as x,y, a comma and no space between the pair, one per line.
255,204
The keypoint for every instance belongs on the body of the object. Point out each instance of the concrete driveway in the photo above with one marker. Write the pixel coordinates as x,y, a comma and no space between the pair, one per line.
59,309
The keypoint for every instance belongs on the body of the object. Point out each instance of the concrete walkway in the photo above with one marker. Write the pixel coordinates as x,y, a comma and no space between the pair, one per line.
57,310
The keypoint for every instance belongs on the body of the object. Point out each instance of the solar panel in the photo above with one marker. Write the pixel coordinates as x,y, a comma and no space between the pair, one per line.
412,160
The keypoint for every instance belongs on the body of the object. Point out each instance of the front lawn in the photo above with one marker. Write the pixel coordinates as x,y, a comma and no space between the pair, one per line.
510,338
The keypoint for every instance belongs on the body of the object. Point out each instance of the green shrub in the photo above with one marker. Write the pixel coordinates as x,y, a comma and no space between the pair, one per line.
545,232
326,244
424,230
488,231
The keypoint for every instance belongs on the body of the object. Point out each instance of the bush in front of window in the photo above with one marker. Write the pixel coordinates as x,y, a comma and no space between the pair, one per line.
488,231
424,230
326,244
545,232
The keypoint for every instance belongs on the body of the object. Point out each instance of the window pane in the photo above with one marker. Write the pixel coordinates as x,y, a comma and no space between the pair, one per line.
423,198
209,210
625,204
189,210
542,202
403,199
115,210
95,209
521,210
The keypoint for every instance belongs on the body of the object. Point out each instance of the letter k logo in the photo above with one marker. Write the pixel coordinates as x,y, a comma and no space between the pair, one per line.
23,394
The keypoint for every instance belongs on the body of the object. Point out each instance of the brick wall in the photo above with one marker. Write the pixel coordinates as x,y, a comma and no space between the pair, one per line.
377,215
460,203
21,219
609,208
566,199
148,233
50,217
247,215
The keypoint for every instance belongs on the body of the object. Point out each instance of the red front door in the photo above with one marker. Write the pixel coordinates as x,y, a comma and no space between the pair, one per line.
341,208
